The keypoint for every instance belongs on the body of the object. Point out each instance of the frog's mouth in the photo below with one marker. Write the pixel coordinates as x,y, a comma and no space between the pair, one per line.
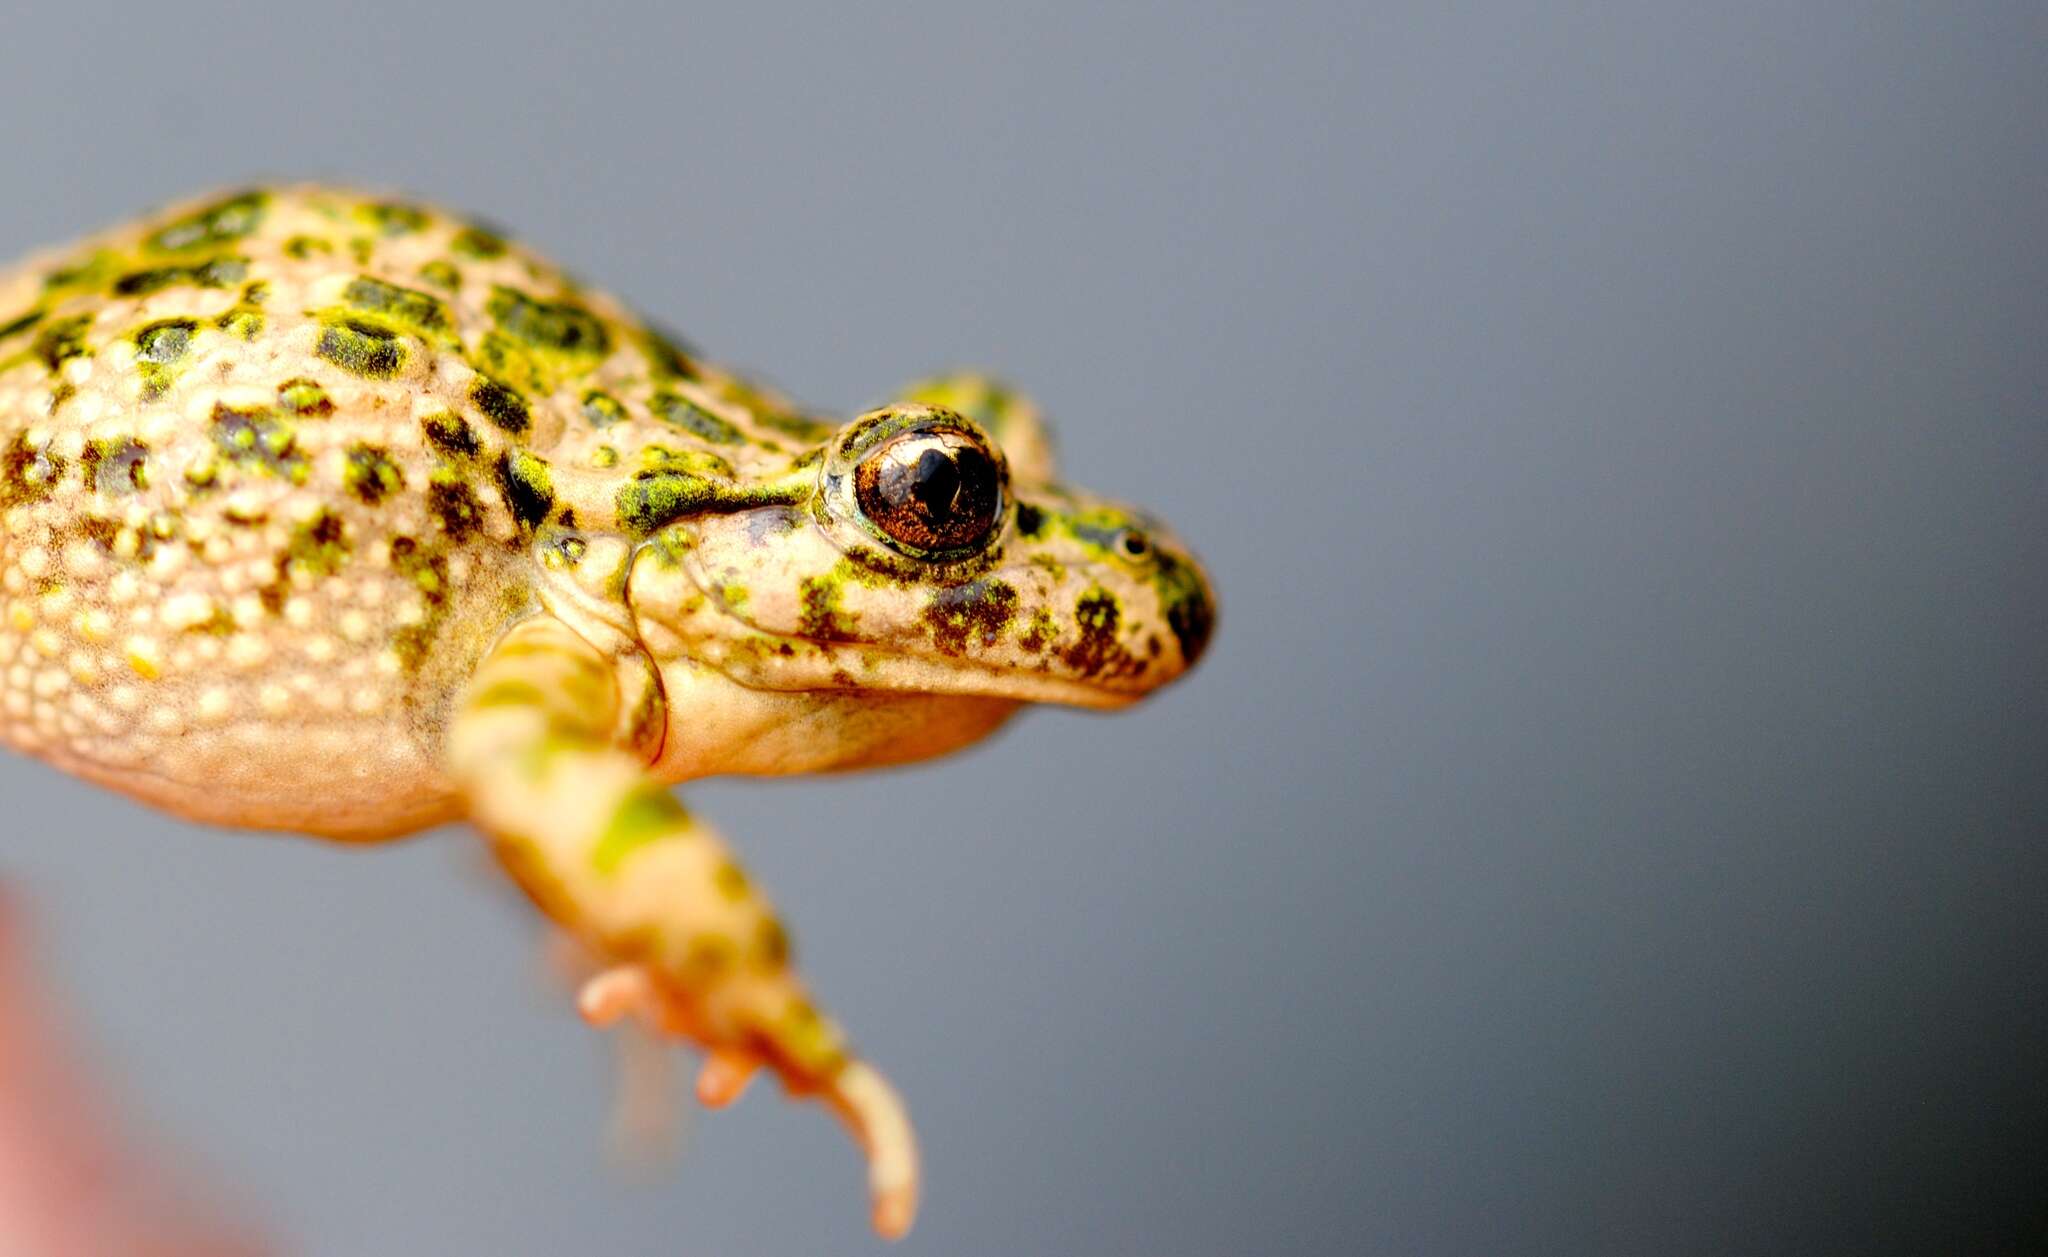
764,659
968,640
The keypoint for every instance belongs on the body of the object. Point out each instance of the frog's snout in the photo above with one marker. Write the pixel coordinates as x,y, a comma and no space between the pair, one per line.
1188,602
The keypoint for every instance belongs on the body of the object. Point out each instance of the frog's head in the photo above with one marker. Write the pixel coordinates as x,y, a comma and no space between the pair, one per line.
931,552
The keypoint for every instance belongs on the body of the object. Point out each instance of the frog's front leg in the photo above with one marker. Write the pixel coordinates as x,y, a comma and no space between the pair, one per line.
606,851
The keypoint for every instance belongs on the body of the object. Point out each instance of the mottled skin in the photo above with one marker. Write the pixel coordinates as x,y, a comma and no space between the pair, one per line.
340,515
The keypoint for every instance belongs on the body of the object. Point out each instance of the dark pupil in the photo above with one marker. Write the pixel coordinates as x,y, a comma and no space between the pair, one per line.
935,482
944,499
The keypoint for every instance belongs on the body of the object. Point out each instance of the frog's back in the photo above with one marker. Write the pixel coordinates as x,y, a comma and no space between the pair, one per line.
272,466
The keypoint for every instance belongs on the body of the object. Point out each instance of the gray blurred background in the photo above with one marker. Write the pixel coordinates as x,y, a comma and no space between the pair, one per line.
1611,819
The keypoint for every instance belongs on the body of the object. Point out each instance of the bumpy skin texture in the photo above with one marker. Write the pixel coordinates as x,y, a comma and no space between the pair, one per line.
342,515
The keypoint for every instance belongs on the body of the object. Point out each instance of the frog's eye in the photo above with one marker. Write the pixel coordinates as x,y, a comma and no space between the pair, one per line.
934,489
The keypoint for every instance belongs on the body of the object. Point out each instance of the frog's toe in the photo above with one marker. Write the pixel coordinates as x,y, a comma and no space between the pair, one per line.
874,1112
724,1077
617,992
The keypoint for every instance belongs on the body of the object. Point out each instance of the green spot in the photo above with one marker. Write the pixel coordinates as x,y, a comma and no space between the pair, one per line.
500,405
657,457
29,472
602,409
63,340
822,618
528,489
303,247
216,224
221,272
652,499
88,272
646,815
241,322
667,354
369,473
159,349
362,348
15,327
648,502
730,880
477,243
450,433
442,275
427,570
790,423
406,308
116,465
393,218
680,411
773,943
305,399
319,545
560,326
509,362
258,439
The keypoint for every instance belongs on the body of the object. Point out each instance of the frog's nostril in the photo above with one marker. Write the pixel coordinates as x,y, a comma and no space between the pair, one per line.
1135,543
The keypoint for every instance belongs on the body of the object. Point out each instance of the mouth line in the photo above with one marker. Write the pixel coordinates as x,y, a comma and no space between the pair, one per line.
936,674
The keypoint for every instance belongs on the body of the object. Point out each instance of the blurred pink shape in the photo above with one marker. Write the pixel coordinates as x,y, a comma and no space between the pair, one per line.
69,1186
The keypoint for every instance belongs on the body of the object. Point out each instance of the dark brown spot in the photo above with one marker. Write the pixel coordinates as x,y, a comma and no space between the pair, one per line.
976,612
455,507
1096,650
501,405
450,433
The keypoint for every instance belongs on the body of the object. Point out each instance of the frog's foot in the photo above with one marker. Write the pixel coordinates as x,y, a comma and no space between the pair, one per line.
630,990
696,951
789,1043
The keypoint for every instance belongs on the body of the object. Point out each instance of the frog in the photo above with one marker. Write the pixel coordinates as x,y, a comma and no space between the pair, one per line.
333,512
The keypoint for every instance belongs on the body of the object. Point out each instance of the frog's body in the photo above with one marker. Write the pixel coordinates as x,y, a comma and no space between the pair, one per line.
338,515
